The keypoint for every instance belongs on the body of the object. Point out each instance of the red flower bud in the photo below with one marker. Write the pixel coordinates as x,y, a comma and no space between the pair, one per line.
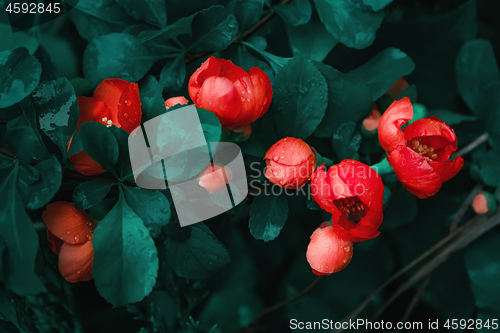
215,177
370,123
70,233
327,253
176,100
353,193
397,88
418,154
290,163
236,97
484,203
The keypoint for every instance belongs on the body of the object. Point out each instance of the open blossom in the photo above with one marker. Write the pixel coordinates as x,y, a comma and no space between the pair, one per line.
70,233
290,163
236,97
353,193
327,253
116,102
419,154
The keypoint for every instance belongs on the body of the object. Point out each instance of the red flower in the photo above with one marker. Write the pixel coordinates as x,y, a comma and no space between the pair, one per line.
176,100
327,253
215,177
290,163
70,233
419,153
115,102
352,192
236,97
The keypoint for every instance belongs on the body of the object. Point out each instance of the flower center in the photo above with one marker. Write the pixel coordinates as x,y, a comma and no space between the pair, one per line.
353,207
422,149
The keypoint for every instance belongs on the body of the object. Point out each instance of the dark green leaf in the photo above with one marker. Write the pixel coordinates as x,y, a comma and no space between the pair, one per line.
100,144
482,260
124,167
116,56
21,141
81,86
95,19
181,27
212,129
310,40
377,4
19,75
153,12
198,257
247,12
488,166
295,13
29,118
349,21
21,240
450,117
56,106
381,71
173,74
151,206
38,185
214,29
346,141
274,61
300,98
90,193
240,56
477,74
267,216
11,41
125,257
153,104
349,100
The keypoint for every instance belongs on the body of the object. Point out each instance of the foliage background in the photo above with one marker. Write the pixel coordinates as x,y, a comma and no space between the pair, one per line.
447,50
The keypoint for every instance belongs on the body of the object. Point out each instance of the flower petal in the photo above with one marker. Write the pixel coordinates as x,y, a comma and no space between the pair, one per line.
67,223
85,165
440,132
176,100
320,190
55,243
414,172
129,108
75,262
92,109
219,95
389,129
448,169
211,67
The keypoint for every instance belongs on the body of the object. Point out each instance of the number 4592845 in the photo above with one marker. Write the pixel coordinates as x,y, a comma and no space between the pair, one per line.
471,324
33,8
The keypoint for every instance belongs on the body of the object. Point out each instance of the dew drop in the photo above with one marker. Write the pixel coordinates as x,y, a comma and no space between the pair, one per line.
128,102
243,99
347,248
275,173
327,245
275,158
343,260
77,238
67,232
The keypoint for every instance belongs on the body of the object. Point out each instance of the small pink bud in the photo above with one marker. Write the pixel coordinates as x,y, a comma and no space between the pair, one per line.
215,177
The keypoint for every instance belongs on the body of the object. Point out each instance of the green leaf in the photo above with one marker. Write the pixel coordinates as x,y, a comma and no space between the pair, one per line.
151,206
212,129
267,216
56,106
21,141
274,61
349,21
38,185
346,141
310,40
29,118
247,12
349,100
124,167
488,166
11,41
19,75
482,260
383,167
295,13
125,256
153,12
90,193
377,4
381,71
173,74
181,27
21,240
95,19
214,29
100,144
116,56
198,257
452,118
153,104
477,74
300,98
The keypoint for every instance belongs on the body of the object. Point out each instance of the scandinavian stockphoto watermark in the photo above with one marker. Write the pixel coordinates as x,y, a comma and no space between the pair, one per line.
170,151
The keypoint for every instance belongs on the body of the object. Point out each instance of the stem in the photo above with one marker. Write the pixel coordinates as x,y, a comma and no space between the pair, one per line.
281,304
471,146
465,205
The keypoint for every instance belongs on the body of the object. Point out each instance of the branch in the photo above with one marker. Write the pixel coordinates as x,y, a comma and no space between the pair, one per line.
471,146
281,304
195,56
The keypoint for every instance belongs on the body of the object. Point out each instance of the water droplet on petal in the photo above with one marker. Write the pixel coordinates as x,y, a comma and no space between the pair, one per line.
128,102
347,248
344,261
275,158
77,238
327,245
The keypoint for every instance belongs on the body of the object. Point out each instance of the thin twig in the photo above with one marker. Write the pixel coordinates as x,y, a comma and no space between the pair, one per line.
281,304
471,146
416,299
193,57
464,207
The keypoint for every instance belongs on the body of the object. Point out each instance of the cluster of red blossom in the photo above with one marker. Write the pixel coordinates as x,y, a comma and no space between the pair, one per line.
351,191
